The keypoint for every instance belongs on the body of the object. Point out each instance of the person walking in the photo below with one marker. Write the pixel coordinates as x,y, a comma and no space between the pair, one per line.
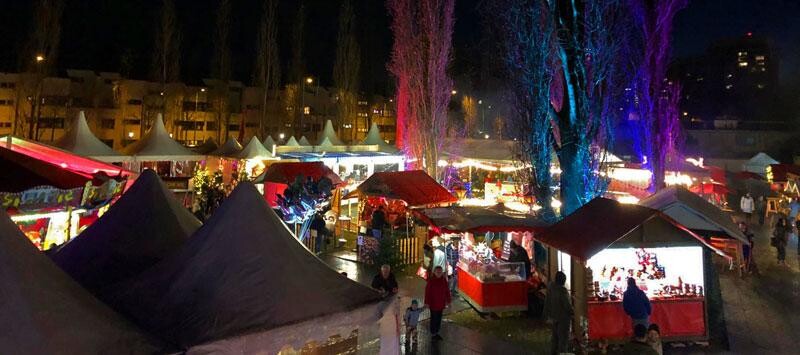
558,312
385,282
638,345
437,298
453,254
636,305
780,237
761,209
378,222
747,205
748,265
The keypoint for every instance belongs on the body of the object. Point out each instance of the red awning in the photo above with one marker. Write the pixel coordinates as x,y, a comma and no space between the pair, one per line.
708,188
780,172
62,158
599,224
286,173
21,172
414,187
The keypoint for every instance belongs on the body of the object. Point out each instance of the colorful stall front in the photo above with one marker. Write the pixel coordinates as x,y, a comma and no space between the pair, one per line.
604,243
52,194
486,277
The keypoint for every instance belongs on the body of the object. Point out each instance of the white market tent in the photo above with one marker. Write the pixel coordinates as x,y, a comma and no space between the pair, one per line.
269,143
693,212
374,138
329,133
43,311
255,150
144,226
304,142
230,149
157,145
244,284
292,142
758,163
81,141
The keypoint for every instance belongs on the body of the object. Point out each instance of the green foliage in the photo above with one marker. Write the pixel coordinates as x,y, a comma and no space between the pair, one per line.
388,252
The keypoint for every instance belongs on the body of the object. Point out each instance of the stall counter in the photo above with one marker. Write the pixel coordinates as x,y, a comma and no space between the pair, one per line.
681,318
493,295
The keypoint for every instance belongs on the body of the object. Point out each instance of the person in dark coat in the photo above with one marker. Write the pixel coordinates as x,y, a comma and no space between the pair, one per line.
318,224
780,239
378,222
558,310
520,255
748,263
639,345
636,305
385,282
437,297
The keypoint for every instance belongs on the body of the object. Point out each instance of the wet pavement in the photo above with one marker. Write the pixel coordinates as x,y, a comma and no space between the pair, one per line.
457,339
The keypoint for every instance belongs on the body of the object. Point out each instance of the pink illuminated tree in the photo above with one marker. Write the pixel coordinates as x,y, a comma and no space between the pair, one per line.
420,55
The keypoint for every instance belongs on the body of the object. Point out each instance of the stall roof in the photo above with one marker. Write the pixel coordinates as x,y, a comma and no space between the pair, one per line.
309,156
693,211
230,149
255,150
285,173
601,223
304,142
475,219
480,149
759,163
781,172
415,187
46,312
81,141
157,145
292,142
26,164
120,244
269,143
245,273
374,138
329,133
206,148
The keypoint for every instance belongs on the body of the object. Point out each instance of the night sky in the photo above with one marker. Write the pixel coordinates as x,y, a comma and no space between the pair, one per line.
98,34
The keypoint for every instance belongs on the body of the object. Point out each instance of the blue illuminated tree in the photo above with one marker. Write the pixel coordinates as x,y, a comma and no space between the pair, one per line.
567,66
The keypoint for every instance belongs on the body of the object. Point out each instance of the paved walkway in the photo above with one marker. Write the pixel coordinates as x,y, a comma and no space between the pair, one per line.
763,311
457,339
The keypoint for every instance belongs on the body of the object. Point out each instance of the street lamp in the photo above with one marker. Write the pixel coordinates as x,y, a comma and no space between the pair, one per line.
309,80
196,108
281,136
454,92
39,58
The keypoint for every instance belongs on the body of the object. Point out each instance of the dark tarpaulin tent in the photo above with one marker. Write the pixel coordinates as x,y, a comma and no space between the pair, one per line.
145,225
241,280
21,172
415,187
43,311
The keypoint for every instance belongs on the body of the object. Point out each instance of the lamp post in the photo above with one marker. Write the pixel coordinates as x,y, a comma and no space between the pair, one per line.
196,108
36,102
309,80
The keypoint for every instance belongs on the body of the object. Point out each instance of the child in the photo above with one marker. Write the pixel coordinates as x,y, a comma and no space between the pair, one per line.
411,318
654,338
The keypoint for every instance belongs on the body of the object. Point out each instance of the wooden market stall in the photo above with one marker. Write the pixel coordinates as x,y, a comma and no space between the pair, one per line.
604,242
487,279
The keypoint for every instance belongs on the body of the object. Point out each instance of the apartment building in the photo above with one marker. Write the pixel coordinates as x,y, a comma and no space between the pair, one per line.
119,110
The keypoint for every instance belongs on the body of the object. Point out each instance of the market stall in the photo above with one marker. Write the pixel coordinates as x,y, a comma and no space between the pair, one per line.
395,193
487,279
280,175
81,141
604,242
52,194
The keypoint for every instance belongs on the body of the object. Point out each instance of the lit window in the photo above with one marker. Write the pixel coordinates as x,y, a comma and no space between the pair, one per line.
760,86
760,58
742,64
307,110
728,87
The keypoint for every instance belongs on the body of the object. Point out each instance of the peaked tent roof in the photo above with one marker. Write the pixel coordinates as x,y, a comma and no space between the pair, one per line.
81,141
600,223
292,142
45,312
374,138
758,163
329,133
157,145
145,225
286,172
227,280
325,143
304,141
206,148
476,219
255,150
692,211
269,143
415,187
231,148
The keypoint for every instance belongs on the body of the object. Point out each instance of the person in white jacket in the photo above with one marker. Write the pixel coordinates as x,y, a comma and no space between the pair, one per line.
747,204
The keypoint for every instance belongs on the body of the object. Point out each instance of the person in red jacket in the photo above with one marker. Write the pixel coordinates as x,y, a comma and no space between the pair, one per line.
437,297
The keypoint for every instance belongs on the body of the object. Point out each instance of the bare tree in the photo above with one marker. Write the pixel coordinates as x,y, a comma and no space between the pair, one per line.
166,57
420,56
267,67
347,67
297,68
469,108
221,69
36,61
